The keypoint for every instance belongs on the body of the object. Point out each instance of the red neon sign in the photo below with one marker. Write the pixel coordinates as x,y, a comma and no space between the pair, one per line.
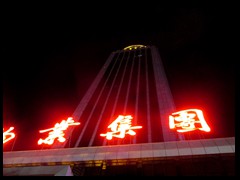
8,133
57,131
120,127
188,120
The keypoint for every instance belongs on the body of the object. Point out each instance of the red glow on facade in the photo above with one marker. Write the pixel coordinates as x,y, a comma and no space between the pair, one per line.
188,120
120,127
7,135
57,131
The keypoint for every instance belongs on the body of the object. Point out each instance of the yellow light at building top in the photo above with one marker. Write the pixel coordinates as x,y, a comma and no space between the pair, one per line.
134,47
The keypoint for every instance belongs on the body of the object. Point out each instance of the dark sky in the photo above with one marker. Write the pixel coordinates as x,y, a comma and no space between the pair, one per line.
51,59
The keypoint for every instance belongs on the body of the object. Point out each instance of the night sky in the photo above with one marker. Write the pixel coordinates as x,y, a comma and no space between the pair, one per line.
51,59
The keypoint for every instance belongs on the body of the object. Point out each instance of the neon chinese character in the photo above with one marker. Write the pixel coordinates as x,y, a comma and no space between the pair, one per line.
120,127
8,133
188,120
57,131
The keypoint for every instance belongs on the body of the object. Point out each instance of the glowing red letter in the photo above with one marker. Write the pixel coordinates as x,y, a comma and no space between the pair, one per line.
57,131
185,120
120,127
7,133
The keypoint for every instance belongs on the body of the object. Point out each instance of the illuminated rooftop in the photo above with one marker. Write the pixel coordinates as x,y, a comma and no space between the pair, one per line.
131,47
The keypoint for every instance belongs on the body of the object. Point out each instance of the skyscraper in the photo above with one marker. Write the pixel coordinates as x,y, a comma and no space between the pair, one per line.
132,82
132,89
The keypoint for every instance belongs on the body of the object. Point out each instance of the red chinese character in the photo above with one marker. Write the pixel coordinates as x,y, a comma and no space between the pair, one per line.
57,131
8,133
188,120
120,127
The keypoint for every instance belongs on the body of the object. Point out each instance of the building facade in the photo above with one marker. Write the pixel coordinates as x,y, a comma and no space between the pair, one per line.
132,82
207,157
131,86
